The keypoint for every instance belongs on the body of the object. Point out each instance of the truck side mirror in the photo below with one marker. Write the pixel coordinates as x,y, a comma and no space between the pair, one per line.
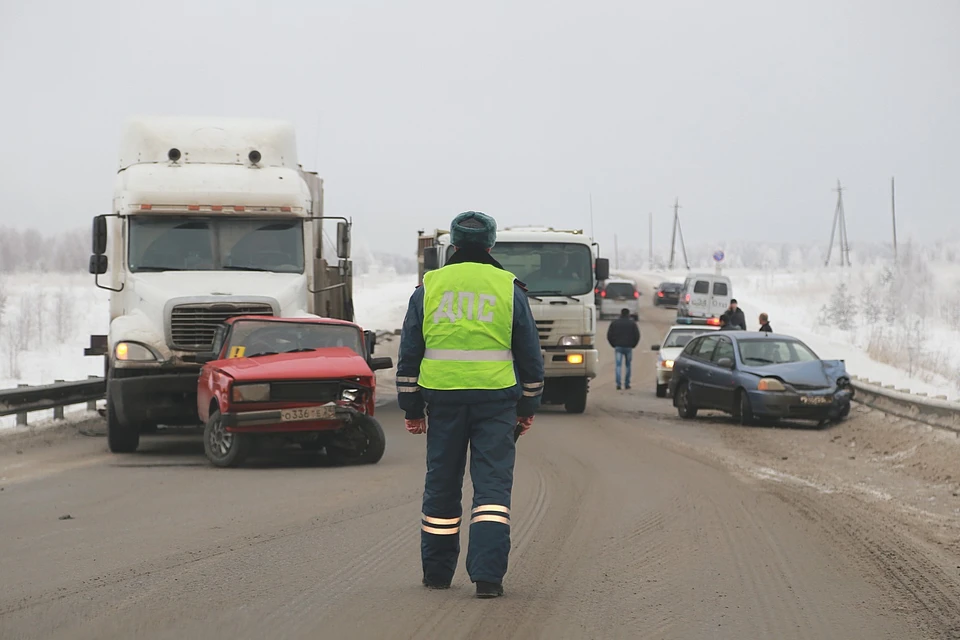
371,339
602,268
343,240
431,258
98,264
99,235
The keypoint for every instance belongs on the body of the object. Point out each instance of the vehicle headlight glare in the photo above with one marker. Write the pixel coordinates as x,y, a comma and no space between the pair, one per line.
571,341
251,393
668,364
133,352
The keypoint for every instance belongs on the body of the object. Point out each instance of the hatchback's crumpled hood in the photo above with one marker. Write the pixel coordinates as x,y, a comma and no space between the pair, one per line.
818,373
328,363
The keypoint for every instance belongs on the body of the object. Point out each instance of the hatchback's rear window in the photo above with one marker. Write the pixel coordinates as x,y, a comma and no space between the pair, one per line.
702,286
619,290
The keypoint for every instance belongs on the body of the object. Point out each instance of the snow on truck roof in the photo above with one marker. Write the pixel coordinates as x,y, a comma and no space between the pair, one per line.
149,139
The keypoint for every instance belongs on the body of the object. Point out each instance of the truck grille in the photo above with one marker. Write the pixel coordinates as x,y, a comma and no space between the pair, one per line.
544,328
192,326
321,392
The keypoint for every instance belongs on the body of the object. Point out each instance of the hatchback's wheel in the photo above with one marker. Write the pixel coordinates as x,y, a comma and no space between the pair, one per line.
661,390
685,407
224,449
363,442
744,410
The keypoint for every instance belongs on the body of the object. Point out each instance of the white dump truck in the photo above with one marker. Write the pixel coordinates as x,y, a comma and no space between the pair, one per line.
211,218
560,269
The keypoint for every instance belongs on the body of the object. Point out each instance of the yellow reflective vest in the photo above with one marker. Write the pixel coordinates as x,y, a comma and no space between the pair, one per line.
468,328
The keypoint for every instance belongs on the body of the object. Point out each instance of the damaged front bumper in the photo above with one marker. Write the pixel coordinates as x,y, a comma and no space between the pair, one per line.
279,421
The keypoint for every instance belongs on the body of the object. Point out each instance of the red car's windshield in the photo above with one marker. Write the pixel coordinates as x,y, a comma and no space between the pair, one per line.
250,338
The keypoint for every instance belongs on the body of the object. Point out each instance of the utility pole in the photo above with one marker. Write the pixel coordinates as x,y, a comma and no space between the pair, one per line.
616,252
839,224
893,212
673,237
650,249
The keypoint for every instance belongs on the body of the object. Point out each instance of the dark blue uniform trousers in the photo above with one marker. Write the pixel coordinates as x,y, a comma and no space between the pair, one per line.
488,430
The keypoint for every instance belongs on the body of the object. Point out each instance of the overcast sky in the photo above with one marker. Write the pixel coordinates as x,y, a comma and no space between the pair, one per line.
414,111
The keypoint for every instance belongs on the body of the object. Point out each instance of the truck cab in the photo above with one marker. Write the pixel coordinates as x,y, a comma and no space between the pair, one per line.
211,218
560,269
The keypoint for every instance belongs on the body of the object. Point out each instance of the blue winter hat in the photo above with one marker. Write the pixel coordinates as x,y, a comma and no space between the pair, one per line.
472,228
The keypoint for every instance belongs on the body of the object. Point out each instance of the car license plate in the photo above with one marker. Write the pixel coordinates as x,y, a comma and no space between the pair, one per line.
324,412
816,399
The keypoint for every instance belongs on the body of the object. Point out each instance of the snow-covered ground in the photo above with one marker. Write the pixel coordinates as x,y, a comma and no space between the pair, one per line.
46,321
898,327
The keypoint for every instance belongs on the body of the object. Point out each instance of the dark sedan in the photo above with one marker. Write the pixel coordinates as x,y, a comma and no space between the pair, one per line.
757,377
667,294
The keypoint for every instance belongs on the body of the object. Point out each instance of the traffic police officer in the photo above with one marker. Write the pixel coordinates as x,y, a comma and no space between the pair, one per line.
470,359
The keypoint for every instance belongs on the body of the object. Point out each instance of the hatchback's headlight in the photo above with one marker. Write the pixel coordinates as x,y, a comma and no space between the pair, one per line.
251,393
133,352
350,395
770,384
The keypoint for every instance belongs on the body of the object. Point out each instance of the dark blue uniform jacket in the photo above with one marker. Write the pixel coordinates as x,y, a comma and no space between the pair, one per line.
527,357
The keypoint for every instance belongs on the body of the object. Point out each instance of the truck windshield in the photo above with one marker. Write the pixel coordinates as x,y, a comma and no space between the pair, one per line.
548,268
181,243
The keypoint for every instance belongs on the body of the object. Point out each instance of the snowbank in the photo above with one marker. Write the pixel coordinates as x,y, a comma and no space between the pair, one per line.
894,327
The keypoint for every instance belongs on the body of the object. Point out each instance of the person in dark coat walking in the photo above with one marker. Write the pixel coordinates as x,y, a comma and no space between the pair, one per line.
470,360
623,334
735,317
765,323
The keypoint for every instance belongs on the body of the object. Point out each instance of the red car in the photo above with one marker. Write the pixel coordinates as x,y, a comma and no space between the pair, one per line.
309,380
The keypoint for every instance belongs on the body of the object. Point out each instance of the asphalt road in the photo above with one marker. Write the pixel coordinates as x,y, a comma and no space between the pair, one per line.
626,525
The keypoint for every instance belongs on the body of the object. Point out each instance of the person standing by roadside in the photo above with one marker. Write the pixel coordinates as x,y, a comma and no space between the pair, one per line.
735,317
623,334
765,323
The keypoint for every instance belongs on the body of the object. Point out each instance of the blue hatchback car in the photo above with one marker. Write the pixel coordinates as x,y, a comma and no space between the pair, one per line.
757,376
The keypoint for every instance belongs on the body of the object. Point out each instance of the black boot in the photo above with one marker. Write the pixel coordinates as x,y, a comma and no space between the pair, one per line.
435,584
489,589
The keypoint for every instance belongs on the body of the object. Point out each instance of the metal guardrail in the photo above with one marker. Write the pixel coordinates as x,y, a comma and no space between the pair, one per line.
936,412
56,396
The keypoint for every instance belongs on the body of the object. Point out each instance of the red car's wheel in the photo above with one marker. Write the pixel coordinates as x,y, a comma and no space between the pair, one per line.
224,449
363,442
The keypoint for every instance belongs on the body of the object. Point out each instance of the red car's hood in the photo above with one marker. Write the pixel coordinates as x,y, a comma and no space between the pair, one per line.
333,362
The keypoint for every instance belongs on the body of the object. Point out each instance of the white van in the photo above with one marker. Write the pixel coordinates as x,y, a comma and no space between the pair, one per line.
618,294
704,296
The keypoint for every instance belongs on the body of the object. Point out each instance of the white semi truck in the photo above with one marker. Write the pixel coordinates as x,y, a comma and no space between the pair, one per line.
211,218
560,269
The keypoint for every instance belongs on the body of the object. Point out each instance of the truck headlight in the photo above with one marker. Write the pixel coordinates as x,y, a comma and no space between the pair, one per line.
350,395
133,352
574,341
251,393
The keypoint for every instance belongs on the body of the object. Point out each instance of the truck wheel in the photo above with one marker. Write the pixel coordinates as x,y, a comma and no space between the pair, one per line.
576,396
661,390
362,443
149,428
121,438
224,449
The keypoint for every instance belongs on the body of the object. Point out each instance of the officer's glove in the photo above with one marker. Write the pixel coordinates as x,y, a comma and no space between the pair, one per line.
525,422
416,426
